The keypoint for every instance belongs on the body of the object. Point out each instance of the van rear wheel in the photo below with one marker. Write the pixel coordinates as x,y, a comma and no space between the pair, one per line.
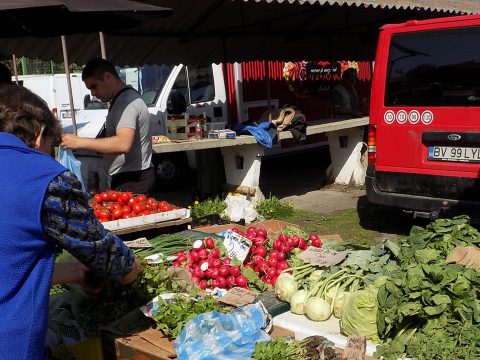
171,170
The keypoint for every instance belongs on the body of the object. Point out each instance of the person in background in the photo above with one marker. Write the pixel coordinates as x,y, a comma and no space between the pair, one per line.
127,145
47,211
345,97
5,75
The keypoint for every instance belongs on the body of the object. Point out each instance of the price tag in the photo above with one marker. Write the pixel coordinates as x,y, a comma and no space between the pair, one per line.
140,243
356,348
322,257
238,297
236,245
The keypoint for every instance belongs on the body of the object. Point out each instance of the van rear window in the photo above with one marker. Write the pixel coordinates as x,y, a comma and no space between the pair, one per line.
434,68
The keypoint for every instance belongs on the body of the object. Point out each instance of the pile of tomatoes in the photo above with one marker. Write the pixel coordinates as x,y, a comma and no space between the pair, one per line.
114,205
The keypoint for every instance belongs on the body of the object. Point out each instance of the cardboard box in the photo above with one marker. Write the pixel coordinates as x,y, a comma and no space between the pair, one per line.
152,345
273,227
216,229
222,134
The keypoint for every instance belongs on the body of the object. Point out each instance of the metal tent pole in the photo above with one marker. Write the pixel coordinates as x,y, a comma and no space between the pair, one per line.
69,84
15,71
102,45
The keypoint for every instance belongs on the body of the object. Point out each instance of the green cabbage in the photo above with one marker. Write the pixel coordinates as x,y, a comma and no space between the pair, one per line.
359,314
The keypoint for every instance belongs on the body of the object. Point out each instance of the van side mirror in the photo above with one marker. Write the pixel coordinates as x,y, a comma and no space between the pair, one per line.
176,103
86,101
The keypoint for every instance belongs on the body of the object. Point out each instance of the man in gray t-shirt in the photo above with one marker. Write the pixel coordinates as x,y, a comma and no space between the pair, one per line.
127,145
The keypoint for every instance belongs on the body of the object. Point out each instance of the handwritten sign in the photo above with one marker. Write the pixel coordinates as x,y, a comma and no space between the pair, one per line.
322,257
355,349
238,297
236,245
139,243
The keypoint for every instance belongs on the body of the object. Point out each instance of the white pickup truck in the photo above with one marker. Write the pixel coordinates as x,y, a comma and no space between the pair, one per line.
201,87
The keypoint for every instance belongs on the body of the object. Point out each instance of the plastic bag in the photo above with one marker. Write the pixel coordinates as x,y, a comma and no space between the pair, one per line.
67,159
217,336
238,207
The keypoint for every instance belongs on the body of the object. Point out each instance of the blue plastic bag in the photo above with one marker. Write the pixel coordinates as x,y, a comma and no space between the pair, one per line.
217,336
67,159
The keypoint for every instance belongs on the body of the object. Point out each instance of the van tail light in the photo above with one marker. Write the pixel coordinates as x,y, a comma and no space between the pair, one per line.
372,144
55,112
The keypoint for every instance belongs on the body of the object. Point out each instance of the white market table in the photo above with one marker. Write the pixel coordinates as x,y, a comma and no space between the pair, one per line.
345,139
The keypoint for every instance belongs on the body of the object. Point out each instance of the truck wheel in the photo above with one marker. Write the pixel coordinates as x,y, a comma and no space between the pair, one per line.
171,170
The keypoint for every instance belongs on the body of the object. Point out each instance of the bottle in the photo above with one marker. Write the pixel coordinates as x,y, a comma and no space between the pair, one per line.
198,131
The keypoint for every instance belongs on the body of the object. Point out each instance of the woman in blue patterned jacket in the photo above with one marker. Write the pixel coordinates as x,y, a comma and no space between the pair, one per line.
42,208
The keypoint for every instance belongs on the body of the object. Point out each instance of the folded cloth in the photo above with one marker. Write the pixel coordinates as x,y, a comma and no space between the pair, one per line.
265,133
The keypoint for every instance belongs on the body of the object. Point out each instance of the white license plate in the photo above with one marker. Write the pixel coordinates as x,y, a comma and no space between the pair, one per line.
454,153
65,114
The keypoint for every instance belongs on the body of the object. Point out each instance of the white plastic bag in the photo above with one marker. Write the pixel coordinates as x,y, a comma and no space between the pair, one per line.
238,207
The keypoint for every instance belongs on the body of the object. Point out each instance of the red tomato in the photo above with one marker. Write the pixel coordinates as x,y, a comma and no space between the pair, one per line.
140,198
117,214
104,196
151,201
162,203
126,210
104,214
113,195
137,208
97,198
131,202
146,212
125,196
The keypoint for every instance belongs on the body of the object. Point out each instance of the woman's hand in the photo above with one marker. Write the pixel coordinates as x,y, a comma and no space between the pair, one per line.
68,273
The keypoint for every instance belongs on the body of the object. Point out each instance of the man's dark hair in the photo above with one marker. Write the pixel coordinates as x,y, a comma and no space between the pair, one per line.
350,73
96,68
5,74
23,114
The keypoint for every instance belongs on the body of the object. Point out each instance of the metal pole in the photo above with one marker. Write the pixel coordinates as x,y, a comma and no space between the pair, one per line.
69,84
15,72
269,89
102,45
238,79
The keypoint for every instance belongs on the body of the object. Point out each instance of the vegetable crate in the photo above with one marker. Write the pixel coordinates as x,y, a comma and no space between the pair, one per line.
177,126
90,348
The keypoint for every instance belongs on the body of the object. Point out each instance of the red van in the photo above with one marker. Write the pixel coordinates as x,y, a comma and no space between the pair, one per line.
424,134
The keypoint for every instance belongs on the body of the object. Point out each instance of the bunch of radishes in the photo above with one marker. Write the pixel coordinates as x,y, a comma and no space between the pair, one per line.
207,267
269,264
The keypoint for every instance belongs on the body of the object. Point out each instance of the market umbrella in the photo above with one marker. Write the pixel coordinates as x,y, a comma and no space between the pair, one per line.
46,18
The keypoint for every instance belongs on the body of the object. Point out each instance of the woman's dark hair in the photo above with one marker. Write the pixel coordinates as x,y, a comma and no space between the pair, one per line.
95,68
23,114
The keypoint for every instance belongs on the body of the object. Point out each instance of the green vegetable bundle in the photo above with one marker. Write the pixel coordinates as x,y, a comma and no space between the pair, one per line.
428,309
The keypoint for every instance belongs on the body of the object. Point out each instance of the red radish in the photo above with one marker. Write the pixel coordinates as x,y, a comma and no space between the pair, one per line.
221,282
194,256
261,251
272,272
235,230
249,266
198,244
278,245
227,261
282,237
203,253
261,233
181,258
281,256
274,254
175,264
257,259
273,262
204,266
317,243
214,253
195,279
266,279
263,266
214,283
223,271
282,265
241,280
291,242
235,270
216,263
312,237
203,284
210,243
273,280
302,244
231,281
296,240
199,273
